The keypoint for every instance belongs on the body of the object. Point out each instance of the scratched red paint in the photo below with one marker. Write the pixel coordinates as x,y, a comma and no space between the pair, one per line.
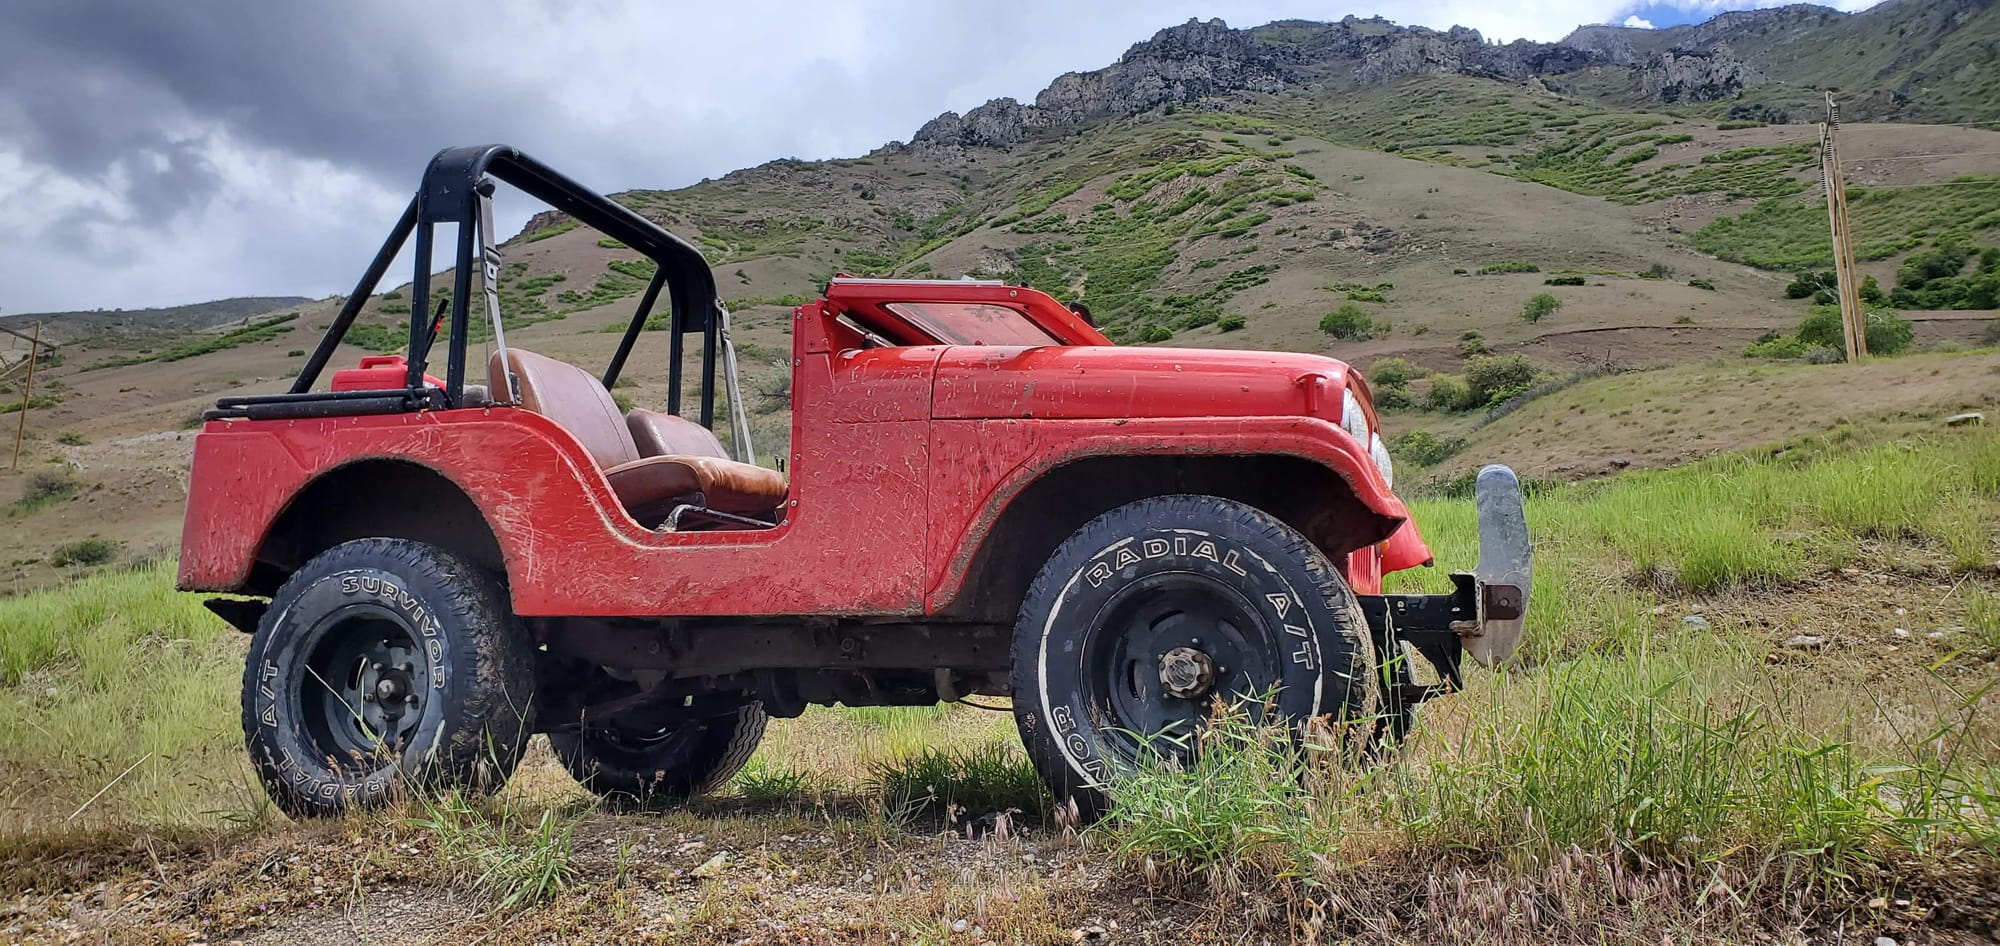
878,433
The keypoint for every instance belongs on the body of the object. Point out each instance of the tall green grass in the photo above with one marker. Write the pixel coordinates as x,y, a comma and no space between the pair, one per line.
119,683
1670,753
1605,550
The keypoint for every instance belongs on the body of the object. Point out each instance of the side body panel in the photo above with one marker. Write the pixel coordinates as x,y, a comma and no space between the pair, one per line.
902,460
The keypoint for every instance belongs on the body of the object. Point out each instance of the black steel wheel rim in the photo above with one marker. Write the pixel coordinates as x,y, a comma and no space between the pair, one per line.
366,687
1144,655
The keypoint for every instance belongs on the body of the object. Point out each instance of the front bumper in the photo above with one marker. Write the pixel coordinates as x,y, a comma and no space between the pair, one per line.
1421,638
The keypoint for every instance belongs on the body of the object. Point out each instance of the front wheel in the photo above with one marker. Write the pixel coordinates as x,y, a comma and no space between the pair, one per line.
1145,618
384,663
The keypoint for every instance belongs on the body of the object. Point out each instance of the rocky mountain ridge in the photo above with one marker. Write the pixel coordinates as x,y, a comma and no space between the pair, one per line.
1728,59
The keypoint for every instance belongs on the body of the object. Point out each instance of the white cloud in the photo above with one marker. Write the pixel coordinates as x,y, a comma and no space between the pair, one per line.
1635,21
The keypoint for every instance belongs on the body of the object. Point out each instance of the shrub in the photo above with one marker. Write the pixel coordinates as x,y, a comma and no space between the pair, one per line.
296,353
1494,269
1390,372
1702,284
1563,281
1472,343
1540,305
1156,333
94,550
1448,392
1823,328
1991,335
1871,292
1348,323
46,487
1774,345
1229,323
71,439
1498,377
1423,448
1658,271
1825,355
1809,285
1888,333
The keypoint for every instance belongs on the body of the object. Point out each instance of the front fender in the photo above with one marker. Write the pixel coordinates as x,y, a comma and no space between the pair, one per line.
983,466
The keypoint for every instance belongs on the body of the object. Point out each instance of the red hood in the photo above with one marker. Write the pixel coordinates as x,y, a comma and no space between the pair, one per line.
977,382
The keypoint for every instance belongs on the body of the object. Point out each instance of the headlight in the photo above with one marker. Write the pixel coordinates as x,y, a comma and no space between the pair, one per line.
1379,452
1352,419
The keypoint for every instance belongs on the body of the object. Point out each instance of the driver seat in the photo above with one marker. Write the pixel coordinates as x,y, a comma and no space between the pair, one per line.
649,486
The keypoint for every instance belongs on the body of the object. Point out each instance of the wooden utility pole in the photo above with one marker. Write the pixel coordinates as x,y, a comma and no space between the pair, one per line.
1853,319
27,391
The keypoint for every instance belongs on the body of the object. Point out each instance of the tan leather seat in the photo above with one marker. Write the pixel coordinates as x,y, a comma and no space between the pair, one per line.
649,484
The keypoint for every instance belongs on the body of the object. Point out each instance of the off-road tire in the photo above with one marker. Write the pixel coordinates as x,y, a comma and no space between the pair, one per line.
470,667
692,759
1302,636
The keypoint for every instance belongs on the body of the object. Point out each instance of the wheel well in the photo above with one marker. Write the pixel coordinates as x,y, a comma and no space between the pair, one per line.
373,499
1305,495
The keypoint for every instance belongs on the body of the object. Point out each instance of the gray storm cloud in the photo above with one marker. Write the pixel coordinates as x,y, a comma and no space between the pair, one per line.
157,153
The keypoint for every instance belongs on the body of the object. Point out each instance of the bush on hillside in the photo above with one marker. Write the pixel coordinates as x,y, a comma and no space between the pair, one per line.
1498,377
1348,323
1774,345
1563,281
94,550
1540,306
1448,392
1423,448
1389,372
1888,333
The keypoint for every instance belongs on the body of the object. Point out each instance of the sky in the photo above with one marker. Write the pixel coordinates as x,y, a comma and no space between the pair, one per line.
166,153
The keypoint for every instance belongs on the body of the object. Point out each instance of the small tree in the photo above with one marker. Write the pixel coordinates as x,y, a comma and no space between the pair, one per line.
1542,304
1497,377
1348,323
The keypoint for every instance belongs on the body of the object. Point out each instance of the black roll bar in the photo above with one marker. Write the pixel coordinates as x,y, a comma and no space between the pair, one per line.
450,193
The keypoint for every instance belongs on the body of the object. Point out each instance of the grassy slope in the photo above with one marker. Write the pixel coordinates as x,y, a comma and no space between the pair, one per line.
1627,732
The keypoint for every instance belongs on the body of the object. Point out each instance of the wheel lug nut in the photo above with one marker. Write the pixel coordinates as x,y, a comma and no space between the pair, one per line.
406,667
367,697
410,699
376,666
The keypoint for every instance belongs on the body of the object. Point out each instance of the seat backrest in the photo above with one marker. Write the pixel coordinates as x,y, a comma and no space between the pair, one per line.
573,398
671,435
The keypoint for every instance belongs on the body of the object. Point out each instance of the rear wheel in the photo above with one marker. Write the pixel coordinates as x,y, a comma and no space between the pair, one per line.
1149,615
660,767
385,663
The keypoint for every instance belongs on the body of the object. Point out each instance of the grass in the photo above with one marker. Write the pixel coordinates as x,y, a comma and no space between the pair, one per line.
1622,736
505,852
116,682
45,488
260,330
952,782
1790,234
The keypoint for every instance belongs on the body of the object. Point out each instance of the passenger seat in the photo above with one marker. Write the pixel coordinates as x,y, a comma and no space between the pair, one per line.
654,462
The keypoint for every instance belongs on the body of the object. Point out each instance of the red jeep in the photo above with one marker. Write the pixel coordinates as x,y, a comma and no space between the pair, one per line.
983,496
